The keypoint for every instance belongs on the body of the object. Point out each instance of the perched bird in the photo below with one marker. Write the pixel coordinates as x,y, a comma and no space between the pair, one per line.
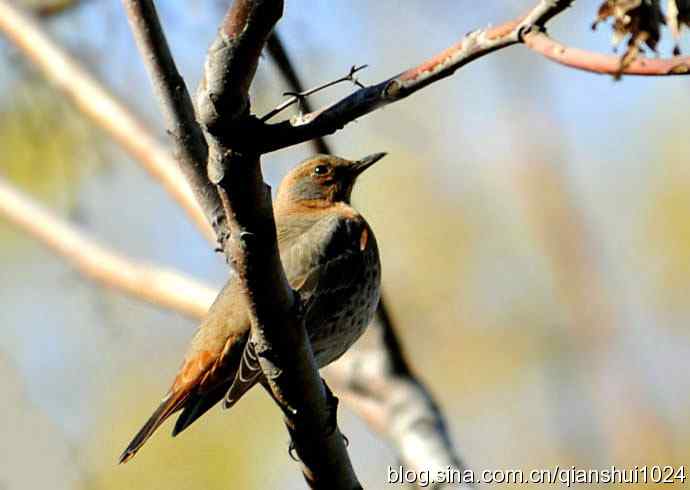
331,259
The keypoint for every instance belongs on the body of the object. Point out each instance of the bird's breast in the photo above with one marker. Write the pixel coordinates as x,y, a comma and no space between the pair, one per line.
345,314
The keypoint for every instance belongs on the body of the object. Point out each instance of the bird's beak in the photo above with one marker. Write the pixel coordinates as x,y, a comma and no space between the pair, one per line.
361,165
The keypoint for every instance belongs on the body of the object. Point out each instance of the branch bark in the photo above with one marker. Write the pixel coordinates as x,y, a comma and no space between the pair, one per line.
250,241
580,59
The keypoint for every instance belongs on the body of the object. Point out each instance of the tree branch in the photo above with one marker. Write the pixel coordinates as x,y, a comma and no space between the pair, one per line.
473,46
276,49
171,91
93,100
390,373
281,341
541,43
161,287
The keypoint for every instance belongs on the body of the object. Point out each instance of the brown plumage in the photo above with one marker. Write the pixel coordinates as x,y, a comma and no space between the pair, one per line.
330,257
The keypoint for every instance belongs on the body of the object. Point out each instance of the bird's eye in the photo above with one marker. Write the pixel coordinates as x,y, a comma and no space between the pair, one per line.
321,170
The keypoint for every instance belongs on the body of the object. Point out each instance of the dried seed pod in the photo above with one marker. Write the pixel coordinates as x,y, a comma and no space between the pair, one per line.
677,14
638,20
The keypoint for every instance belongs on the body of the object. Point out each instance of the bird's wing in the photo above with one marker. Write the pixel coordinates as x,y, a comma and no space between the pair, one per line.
328,257
248,374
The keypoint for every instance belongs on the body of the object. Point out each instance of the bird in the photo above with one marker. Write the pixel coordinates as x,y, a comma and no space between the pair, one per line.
331,259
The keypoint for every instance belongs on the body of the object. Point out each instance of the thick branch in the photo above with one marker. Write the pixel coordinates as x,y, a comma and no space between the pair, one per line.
541,43
473,46
171,91
278,333
161,287
93,100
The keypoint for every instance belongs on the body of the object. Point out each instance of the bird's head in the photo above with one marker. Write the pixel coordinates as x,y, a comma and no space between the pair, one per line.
322,180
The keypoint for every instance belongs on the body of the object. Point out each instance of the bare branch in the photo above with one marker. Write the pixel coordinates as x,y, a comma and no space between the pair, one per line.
541,43
399,407
161,287
93,100
275,47
177,107
473,46
301,95
375,381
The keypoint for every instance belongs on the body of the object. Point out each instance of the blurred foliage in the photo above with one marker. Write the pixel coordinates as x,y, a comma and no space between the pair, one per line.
665,234
47,147
640,22
27,431
49,7
678,16
218,453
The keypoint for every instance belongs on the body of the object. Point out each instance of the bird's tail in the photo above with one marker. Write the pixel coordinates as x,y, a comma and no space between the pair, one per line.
168,406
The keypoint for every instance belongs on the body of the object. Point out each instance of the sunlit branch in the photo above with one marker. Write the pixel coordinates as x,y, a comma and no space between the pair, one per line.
93,100
541,43
165,288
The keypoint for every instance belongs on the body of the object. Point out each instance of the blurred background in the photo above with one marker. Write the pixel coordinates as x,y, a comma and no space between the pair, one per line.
534,223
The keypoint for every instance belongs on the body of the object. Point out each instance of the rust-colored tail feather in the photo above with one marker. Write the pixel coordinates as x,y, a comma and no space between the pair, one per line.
168,406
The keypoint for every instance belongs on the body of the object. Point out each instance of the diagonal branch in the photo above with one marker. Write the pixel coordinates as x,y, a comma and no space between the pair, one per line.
93,100
473,46
276,49
161,287
301,95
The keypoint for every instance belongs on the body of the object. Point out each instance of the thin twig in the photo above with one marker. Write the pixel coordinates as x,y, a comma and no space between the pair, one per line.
301,95
276,49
